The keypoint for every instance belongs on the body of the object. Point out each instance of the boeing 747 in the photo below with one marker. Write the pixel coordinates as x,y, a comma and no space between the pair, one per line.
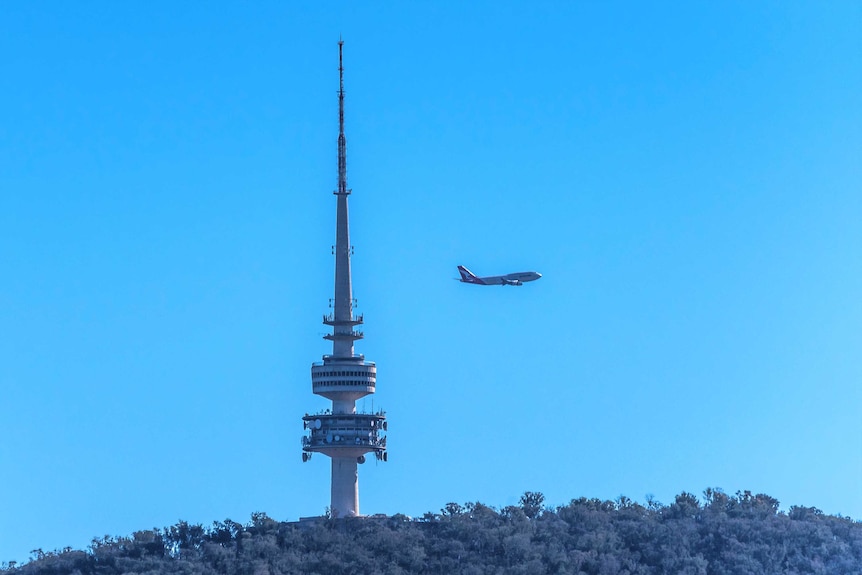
514,279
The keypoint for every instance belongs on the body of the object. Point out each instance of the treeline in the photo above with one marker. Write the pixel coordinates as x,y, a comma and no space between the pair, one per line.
720,534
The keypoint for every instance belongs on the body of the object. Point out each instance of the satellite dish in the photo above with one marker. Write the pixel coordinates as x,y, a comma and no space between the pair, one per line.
360,459
317,424
337,438
328,438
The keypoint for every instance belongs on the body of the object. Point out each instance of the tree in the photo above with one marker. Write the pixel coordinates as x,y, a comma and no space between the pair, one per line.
531,503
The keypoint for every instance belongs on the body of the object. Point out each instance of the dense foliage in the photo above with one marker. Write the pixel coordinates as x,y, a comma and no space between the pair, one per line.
721,535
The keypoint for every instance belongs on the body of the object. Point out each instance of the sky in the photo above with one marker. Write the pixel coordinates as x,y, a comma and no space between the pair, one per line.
685,176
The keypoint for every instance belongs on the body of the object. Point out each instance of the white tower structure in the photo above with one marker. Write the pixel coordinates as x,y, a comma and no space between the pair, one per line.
342,433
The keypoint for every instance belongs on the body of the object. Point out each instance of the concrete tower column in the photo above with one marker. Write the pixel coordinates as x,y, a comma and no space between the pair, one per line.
345,487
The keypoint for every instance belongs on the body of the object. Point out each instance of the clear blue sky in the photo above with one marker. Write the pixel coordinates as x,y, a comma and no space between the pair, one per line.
686,176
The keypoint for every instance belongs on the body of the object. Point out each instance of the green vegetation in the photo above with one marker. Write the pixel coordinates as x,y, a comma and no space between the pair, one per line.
721,535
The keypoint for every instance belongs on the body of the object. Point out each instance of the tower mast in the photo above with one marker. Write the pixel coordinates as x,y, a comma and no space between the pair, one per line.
342,141
344,376
344,335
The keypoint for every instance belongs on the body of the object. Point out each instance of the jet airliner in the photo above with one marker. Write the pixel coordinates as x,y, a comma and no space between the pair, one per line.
514,279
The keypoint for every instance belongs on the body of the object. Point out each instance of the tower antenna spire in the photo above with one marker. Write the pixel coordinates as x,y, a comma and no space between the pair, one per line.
342,141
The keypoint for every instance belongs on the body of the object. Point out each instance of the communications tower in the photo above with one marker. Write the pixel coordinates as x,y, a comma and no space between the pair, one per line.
342,433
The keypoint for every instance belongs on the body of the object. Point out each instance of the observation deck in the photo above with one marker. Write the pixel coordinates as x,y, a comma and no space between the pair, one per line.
356,379
345,435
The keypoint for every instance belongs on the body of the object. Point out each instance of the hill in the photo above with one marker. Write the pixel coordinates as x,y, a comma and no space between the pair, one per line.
721,535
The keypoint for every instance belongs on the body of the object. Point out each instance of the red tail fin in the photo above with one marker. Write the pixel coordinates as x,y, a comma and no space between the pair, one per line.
468,277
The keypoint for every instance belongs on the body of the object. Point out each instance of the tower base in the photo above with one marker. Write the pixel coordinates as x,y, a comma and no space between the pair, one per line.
345,487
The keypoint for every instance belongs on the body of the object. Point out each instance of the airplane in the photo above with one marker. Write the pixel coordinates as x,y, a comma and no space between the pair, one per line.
514,279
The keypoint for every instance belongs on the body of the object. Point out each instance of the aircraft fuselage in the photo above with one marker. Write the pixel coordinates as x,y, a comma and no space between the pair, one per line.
513,279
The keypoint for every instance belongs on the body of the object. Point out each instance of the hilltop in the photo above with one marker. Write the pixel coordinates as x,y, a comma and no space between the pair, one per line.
718,535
